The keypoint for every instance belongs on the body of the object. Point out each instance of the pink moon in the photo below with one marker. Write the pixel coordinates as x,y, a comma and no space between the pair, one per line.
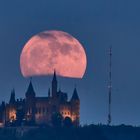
53,50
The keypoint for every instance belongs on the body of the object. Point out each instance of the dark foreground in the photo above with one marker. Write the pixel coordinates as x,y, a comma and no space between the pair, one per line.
91,132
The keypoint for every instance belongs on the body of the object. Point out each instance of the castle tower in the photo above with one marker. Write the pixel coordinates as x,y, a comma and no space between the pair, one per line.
12,98
49,93
30,93
30,103
11,109
75,103
54,86
2,114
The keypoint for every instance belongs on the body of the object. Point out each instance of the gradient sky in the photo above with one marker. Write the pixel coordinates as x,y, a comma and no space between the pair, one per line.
97,24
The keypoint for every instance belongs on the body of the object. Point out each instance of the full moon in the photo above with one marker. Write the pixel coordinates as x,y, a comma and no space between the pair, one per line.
53,50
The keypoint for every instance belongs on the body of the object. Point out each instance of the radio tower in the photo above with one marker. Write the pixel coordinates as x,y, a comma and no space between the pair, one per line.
110,86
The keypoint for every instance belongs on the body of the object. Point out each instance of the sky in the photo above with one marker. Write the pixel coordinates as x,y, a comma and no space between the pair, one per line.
97,24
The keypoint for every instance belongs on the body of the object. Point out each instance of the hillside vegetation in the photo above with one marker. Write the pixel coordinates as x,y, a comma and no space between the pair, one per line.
90,132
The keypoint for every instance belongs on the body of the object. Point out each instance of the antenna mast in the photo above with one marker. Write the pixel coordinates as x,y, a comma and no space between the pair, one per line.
110,86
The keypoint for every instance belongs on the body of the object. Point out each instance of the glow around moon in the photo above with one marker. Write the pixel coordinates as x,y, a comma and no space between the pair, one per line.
51,50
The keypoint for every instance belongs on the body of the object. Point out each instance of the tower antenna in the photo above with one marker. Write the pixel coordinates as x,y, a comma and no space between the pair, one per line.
110,86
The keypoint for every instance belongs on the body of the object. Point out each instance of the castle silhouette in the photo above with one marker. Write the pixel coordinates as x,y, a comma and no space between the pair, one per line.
40,110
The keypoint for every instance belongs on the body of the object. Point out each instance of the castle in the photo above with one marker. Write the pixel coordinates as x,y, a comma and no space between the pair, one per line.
39,110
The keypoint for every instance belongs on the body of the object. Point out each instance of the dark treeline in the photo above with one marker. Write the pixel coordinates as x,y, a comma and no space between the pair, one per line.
90,132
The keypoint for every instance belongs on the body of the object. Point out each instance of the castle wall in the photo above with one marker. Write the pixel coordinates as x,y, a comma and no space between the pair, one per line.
75,112
43,112
10,113
65,110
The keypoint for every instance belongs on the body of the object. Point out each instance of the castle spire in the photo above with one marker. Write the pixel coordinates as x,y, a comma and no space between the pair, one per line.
49,93
30,91
12,98
54,85
54,76
75,95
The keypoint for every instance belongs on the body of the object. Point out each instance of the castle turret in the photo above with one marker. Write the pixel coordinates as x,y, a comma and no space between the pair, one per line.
30,93
11,109
30,103
75,103
12,98
54,86
2,114
49,93
75,96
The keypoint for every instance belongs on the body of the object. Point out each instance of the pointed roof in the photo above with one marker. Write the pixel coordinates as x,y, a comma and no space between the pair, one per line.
49,93
54,76
3,105
12,98
30,91
75,95
13,91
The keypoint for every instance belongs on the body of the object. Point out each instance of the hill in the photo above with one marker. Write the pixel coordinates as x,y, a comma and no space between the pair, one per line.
90,132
